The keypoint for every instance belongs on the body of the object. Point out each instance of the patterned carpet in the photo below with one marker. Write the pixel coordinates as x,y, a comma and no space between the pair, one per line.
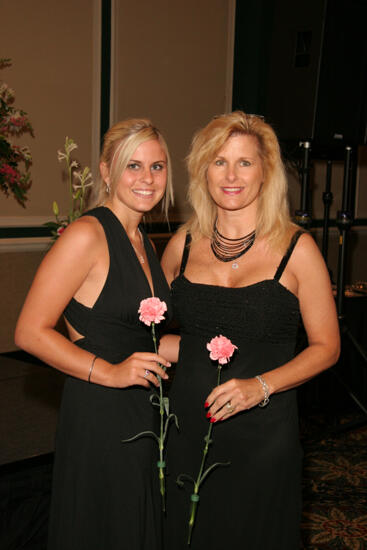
334,487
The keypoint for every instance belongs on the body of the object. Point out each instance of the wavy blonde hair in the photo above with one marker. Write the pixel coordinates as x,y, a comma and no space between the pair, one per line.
119,144
273,219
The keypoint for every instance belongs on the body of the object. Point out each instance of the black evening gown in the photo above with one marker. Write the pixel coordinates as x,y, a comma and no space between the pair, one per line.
105,493
255,502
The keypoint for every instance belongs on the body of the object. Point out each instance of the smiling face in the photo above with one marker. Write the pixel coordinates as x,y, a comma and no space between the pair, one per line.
142,184
236,174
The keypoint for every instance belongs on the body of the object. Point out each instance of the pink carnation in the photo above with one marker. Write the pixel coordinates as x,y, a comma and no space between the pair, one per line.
60,229
152,310
221,349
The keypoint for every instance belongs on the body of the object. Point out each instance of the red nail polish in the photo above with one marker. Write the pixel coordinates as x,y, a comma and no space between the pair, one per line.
208,415
206,404
212,420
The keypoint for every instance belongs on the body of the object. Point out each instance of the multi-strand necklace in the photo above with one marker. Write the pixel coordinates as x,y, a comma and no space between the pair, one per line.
229,250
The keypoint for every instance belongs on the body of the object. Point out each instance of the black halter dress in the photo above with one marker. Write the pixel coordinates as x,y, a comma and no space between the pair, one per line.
105,492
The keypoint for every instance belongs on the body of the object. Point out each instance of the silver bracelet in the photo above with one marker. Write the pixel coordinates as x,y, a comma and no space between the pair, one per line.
265,388
91,367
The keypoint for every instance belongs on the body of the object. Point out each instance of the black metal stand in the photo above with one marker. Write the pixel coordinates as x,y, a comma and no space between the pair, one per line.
303,215
327,199
344,222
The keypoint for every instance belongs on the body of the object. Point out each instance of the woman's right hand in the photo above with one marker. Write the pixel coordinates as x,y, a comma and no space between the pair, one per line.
139,369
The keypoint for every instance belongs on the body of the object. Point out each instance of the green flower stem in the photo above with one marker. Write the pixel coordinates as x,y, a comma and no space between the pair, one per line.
194,503
70,187
161,463
81,201
195,496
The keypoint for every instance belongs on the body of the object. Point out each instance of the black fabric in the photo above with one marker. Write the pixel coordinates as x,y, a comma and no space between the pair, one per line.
105,492
255,502
287,255
185,254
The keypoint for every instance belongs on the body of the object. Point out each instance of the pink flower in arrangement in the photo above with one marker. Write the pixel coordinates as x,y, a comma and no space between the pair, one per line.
9,173
221,349
152,310
60,229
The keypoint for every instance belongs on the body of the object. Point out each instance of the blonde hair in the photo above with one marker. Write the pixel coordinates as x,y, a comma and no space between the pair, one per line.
273,219
119,144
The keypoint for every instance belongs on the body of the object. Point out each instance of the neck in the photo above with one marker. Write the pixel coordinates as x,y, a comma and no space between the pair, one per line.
128,218
234,225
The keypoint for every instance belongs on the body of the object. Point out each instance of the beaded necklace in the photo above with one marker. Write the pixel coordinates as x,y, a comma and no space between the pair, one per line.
228,250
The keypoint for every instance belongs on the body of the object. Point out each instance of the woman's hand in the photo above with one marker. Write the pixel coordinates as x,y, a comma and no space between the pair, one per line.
232,397
140,369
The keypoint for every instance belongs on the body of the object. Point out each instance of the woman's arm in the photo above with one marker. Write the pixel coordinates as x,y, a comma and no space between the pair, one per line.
73,268
321,324
171,260
172,256
169,346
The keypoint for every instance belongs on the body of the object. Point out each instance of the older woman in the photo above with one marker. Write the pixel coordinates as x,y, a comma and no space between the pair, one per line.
104,492
240,268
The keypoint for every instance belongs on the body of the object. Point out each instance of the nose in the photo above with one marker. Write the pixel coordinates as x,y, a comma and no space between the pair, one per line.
231,173
147,176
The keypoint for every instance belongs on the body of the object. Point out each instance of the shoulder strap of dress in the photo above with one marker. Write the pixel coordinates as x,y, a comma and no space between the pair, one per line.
113,230
287,255
185,253
101,213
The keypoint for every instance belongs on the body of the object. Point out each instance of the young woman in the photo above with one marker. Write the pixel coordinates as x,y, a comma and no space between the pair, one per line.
240,268
104,491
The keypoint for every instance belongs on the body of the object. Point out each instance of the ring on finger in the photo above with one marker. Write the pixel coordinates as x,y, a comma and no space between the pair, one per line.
229,407
147,373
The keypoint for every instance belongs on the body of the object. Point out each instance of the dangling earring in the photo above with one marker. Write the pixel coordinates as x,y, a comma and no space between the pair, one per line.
108,189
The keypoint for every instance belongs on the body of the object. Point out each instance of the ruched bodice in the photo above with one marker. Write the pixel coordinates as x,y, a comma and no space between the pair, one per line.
254,503
105,492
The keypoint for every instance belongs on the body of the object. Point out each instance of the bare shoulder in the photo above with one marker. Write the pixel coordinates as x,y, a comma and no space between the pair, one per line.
172,255
307,262
83,233
306,249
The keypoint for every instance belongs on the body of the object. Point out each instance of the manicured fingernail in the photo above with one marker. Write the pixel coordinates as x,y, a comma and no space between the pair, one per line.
206,404
208,415
168,364
212,420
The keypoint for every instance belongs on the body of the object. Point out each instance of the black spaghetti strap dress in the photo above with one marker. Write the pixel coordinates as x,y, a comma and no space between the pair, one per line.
255,502
105,493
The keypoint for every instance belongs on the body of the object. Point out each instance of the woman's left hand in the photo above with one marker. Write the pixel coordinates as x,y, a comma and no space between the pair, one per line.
232,397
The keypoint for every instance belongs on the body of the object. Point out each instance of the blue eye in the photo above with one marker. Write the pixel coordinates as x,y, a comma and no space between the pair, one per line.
157,167
245,163
219,162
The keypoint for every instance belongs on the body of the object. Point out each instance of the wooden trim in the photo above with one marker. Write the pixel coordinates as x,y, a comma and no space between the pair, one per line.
230,54
105,67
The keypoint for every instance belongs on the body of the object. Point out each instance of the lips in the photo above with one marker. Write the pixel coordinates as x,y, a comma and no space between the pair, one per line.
232,190
143,192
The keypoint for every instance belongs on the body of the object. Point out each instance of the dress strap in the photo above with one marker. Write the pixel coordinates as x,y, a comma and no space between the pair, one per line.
287,255
185,253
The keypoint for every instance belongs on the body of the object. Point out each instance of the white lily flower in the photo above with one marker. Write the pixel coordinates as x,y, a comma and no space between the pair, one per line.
61,156
70,145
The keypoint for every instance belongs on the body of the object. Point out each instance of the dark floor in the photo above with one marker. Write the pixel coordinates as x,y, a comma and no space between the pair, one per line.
335,465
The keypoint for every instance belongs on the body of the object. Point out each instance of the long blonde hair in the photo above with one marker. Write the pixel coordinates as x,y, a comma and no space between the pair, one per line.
273,219
119,144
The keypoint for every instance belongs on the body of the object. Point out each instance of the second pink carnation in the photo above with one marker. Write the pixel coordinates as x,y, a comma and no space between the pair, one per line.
221,349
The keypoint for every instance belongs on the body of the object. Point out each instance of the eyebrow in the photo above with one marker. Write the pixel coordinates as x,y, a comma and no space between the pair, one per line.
139,161
240,158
